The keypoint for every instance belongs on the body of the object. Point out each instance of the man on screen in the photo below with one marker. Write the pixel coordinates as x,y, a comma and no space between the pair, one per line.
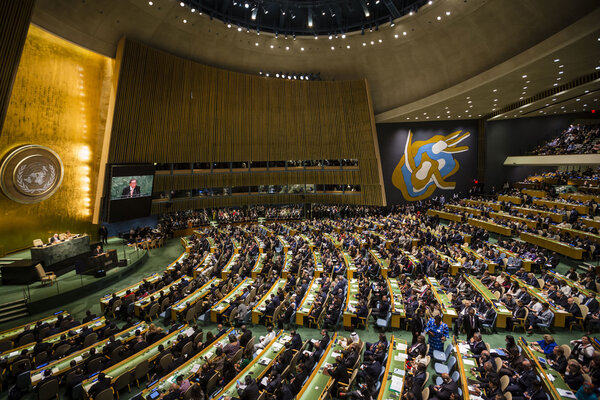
133,190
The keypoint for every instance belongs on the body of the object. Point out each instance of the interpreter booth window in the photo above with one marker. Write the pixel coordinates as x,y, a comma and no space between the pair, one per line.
221,167
276,165
295,165
258,166
202,168
239,190
239,166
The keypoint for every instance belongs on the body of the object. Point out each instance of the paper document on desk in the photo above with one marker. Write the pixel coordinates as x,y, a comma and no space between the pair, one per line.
401,357
397,383
469,362
399,372
195,368
189,332
401,346
566,393
463,348
335,354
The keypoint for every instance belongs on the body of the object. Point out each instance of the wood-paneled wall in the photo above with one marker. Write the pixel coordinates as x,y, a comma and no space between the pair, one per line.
169,109
15,17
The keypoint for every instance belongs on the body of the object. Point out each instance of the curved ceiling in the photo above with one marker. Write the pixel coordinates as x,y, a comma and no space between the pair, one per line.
305,17
446,44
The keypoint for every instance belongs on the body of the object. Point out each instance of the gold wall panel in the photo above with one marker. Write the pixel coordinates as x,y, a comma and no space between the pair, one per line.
59,100
169,109
13,31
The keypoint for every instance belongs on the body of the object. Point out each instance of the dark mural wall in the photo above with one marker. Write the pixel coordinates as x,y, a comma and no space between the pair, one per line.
439,158
517,137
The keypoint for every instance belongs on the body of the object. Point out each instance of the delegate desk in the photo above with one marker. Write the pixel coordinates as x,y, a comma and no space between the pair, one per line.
303,310
510,199
318,384
102,262
258,265
129,364
141,304
505,216
51,255
336,242
490,226
493,205
554,245
445,215
350,266
257,368
227,268
287,263
395,370
384,265
396,303
448,312
204,265
132,288
593,223
225,302
576,233
260,306
579,197
465,361
501,311
574,285
526,263
12,333
559,314
186,243
318,264
192,298
9,356
491,266
188,369
534,192
556,217
581,208
351,303
62,365
466,210
552,381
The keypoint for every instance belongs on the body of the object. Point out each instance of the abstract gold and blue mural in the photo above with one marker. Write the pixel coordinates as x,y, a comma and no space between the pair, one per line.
428,159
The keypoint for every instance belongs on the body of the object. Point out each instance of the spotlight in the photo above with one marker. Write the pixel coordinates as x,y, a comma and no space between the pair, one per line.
254,13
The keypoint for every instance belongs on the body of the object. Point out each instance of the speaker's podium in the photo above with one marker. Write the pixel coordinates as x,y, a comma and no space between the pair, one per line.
100,264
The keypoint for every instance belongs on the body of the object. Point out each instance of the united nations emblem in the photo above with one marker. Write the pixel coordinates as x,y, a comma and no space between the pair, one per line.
427,165
31,173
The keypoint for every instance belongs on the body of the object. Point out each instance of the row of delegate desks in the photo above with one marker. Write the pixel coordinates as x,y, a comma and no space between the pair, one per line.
556,217
448,312
491,265
350,266
490,226
319,271
554,245
336,243
12,333
10,355
192,298
510,199
590,222
445,215
235,257
303,309
576,233
502,312
259,308
581,208
129,364
552,381
351,303
455,265
258,367
287,263
579,197
188,369
507,217
526,263
559,314
465,361
141,304
225,302
463,209
62,365
384,265
491,204
208,261
574,285
133,288
258,265
318,384
396,303
392,385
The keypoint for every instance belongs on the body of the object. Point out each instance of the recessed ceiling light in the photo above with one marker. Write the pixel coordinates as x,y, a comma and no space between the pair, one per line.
348,46
272,46
558,79
469,101
527,81
229,25
560,66
150,3
577,99
524,76
185,21
587,91
447,12
301,48
556,59
332,48
495,90
495,100
372,42
182,4
343,36
556,84
380,41
287,47
560,72
520,98
256,44
404,33
239,28
396,36
439,18
524,87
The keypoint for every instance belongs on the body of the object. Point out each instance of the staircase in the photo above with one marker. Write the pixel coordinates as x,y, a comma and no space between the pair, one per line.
13,310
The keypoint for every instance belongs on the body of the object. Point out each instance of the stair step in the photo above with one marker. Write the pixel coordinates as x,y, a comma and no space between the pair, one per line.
13,317
15,311
12,308
12,303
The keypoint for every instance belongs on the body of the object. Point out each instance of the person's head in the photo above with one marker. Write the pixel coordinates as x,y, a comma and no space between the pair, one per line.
548,339
573,367
446,377
421,339
232,338
588,387
488,366
101,376
526,364
558,351
421,367
570,300
248,379
471,311
545,306
477,336
179,379
132,183
437,319
510,340
585,340
323,332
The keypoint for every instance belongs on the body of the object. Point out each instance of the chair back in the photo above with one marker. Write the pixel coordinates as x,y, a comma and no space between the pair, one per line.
5,345
584,310
94,365
40,271
90,339
26,339
153,311
106,394
498,362
566,349
38,242
504,381
426,380
48,390
211,384
61,350
141,369
187,348
190,315
451,363
425,394
121,382
237,356
41,358
455,376
165,361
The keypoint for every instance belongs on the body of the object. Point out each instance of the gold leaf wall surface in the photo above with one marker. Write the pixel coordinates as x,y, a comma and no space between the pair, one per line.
59,100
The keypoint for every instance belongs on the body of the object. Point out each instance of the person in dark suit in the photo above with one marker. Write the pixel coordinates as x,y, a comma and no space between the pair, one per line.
246,336
521,382
88,316
139,345
74,379
518,313
476,344
250,391
557,360
132,190
55,238
48,377
101,384
445,390
471,323
98,251
419,379
417,325
591,303
296,340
